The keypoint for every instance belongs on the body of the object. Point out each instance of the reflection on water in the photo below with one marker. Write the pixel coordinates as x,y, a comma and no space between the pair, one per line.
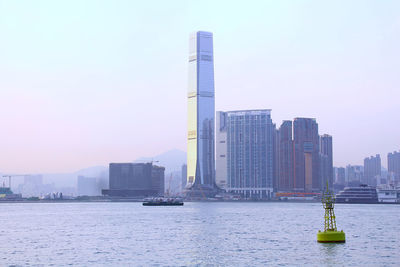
223,234
329,253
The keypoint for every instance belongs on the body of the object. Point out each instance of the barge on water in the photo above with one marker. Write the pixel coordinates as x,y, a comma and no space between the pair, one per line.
162,201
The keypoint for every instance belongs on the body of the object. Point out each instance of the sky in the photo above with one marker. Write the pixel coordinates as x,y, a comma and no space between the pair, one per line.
85,83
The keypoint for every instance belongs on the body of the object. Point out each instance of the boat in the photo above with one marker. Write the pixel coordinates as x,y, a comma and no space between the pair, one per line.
363,194
162,201
389,195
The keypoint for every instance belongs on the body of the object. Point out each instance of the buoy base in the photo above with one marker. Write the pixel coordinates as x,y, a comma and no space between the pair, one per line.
331,237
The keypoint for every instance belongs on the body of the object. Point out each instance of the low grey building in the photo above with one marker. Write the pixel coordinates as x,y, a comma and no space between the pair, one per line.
135,179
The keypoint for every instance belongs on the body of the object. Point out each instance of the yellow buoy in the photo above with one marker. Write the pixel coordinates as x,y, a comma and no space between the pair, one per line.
330,233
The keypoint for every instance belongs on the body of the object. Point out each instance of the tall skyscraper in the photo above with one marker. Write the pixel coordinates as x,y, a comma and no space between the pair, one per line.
249,152
327,151
394,167
285,158
372,170
306,155
201,113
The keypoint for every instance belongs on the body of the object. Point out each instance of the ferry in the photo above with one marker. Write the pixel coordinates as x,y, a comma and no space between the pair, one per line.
162,201
363,194
389,195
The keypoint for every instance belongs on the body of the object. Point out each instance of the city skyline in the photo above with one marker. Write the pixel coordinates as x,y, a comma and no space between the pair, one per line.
83,91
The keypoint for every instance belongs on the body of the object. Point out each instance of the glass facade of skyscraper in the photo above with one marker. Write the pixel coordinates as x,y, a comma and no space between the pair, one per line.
201,112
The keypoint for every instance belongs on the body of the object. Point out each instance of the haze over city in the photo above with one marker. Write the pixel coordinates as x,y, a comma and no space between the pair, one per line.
85,84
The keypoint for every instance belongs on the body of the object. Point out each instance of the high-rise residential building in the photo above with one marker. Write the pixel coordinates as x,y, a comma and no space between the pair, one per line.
306,155
372,170
326,151
275,172
323,170
340,176
285,157
354,175
201,113
385,178
221,150
249,154
394,167
135,179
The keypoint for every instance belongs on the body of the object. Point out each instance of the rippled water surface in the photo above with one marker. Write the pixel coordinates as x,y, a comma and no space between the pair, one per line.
215,234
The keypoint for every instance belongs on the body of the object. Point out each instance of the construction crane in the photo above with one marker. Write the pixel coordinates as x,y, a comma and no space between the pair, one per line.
9,178
145,161
168,192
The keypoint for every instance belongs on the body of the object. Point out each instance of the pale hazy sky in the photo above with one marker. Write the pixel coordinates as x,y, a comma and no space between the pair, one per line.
83,83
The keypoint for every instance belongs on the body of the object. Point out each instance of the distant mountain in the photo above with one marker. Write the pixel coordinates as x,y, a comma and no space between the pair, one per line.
172,160
60,179
69,179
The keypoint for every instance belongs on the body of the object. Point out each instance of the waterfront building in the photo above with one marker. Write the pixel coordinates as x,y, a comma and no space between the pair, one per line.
135,179
326,151
201,113
306,155
394,167
285,157
249,152
372,170
221,150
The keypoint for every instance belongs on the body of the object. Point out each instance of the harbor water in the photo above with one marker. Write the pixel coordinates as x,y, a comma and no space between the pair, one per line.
196,234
